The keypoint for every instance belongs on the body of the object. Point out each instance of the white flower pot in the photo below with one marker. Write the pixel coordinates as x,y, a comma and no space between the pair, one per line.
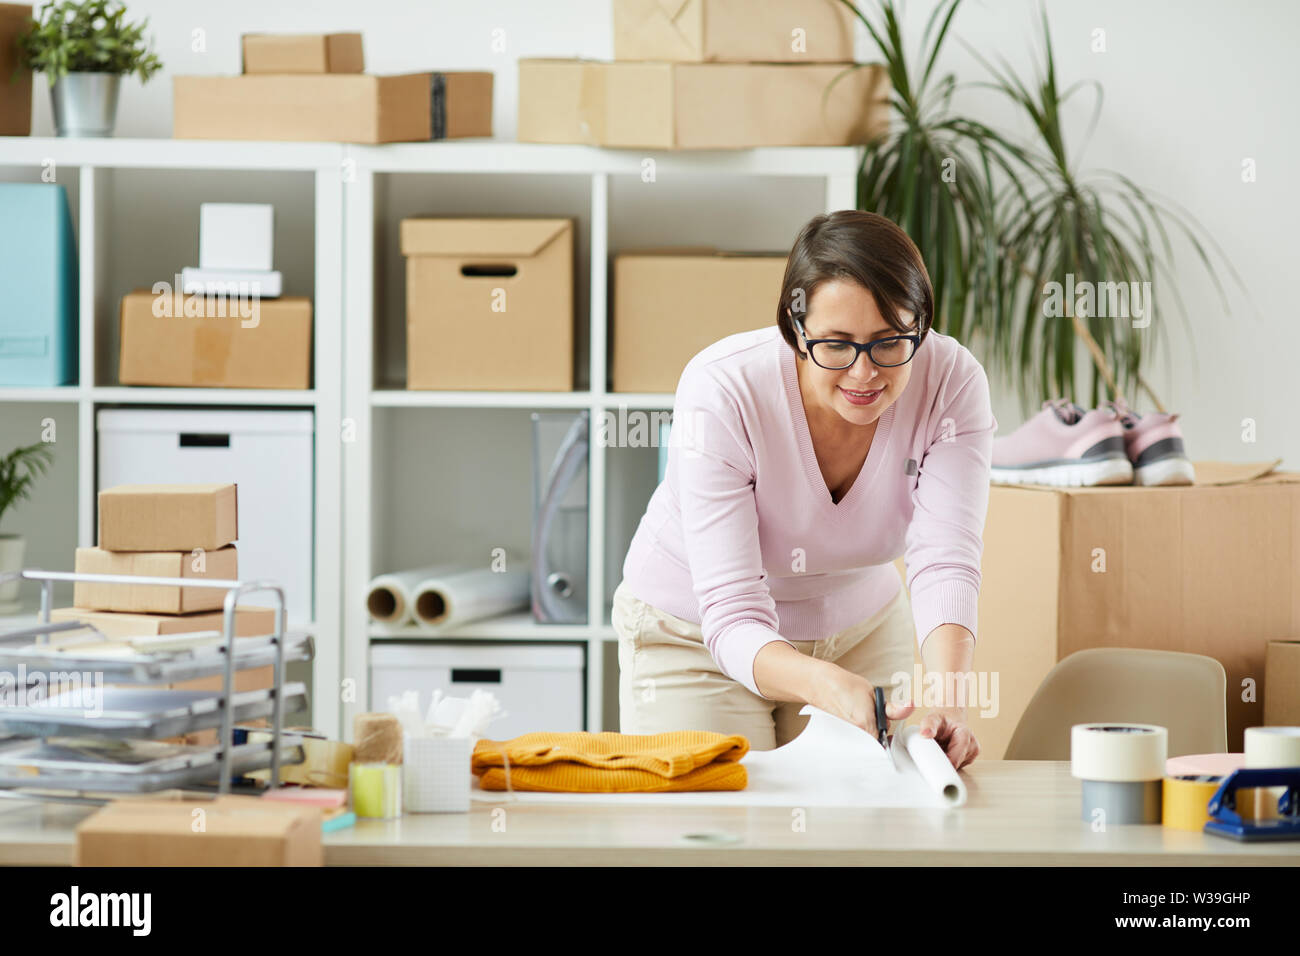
12,548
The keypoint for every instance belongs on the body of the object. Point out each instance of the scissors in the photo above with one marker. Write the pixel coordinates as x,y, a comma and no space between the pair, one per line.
882,720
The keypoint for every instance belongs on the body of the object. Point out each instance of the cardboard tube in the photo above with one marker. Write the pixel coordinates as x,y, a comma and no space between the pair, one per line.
392,596
446,600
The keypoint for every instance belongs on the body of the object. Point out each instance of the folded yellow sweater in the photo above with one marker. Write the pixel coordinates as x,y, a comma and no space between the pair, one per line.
613,763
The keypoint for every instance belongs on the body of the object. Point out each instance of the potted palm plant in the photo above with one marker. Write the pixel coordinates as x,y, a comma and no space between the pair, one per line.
84,48
18,472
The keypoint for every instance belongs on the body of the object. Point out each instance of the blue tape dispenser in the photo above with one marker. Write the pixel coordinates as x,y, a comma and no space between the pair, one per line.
1225,821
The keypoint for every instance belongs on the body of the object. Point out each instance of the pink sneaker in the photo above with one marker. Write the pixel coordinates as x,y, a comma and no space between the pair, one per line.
1066,446
1155,447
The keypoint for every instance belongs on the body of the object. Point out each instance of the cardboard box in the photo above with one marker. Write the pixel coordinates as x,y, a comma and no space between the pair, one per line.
239,341
1282,684
669,304
15,91
700,105
1209,569
236,831
168,517
734,31
333,107
489,281
250,621
303,53
220,564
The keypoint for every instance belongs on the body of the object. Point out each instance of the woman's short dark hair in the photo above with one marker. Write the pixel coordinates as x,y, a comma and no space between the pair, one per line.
866,248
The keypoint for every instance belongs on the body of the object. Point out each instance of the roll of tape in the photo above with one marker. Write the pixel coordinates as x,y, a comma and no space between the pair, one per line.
1268,747
1117,752
1136,801
376,790
1185,802
1204,765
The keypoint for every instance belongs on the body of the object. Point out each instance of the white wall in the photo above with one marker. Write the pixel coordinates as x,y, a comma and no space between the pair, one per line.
1191,88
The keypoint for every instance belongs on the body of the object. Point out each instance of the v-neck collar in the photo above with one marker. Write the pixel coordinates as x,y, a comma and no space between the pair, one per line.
803,435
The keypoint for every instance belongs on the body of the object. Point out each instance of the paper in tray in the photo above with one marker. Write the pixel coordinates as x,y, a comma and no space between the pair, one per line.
100,755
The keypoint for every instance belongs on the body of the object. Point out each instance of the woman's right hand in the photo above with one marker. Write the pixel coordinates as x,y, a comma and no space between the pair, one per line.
852,697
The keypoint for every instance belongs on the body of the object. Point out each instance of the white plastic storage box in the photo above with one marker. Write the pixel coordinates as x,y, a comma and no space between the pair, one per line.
539,685
268,454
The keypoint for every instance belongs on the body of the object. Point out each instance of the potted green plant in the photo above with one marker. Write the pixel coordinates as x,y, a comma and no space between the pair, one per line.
18,472
84,48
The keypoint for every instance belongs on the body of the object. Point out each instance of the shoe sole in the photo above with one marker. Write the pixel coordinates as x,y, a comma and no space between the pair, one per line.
1107,471
1165,471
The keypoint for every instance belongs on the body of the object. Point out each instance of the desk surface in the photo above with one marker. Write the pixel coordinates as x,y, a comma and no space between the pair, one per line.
1018,812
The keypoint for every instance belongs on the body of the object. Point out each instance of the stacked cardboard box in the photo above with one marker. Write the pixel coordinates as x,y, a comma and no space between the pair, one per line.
711,74
312,88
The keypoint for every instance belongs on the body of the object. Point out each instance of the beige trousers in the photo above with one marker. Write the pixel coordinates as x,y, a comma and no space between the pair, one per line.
669,681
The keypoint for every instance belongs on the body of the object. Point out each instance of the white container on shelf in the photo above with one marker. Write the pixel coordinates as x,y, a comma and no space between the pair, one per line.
267,454
540,686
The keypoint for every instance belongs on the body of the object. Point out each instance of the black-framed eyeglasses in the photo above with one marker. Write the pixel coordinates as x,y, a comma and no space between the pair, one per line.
835,354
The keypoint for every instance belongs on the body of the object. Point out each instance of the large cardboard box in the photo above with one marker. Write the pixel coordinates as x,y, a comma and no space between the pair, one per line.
735,31
221,564
333,107
168,517
215,341
489,303
1211,568
15,83
250,621
234,831
671,303
1282,683
700,105
303,53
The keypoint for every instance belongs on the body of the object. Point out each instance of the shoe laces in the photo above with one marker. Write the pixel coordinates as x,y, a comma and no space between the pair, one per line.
1127,417
1065,410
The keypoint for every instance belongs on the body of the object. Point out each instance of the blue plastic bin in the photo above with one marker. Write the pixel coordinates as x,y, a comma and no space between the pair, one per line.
38,286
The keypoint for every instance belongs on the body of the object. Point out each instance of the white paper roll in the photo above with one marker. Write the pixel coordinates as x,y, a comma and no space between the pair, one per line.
934,766
1272,747
451,599
391,599
1118,752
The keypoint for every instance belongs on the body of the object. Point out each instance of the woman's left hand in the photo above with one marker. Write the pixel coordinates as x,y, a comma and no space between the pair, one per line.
950,732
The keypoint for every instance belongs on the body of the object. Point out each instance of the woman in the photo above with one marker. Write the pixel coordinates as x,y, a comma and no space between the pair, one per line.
805,459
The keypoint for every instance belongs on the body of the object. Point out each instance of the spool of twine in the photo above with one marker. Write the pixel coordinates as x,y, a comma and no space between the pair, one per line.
377,738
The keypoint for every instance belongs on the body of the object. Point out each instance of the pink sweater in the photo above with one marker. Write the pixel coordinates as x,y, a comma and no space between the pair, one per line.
742,538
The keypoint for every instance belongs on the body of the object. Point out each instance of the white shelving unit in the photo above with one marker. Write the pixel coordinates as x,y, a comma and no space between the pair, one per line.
91,164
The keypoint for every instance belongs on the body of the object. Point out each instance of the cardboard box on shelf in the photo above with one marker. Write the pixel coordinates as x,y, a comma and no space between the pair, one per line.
1209,569
15,83
489,303
238,341
735,31
671,303
221,564
333,107
700,105
250,621
1282,682
303,53
237,831
168,517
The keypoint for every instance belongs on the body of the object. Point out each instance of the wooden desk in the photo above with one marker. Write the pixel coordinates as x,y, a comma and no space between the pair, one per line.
1018,812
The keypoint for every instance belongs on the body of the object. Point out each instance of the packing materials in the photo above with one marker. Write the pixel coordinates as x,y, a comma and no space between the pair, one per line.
449,600
250,621
236,235
1282,683
221,564
377,738
1121,766
267,454
177,517
803,31
15,81
391,598
376,790
303,53
489,303
700,105
670,304
235,831
333,107
38,275
231,282
1207,568
237,341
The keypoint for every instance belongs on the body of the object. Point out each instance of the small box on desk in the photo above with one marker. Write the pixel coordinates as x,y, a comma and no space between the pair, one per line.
1206,569
489,303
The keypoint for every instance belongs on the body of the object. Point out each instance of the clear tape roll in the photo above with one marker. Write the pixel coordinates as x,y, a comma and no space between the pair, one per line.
1118,752
1185,801
1268,747
376,790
